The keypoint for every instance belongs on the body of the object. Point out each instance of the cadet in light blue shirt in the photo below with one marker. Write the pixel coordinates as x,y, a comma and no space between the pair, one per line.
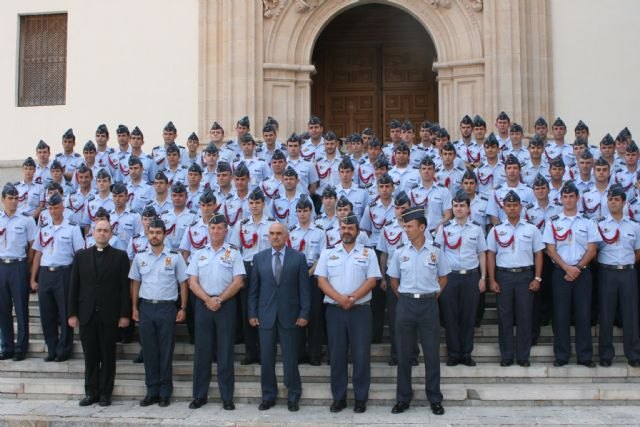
156,274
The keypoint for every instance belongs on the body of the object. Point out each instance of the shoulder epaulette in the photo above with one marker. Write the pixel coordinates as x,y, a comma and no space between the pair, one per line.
330,228
400,245
244,221
270,218
446,224
372,204
483,197
26,214
76,155
174,251
293,227
369,185
362,187
362,161
440,185
136,236
557,203
182,146
319,159
553,218
229,196
148,156
91,197
529,206
632,201
617,170
498,187
460,169
232,246
164,212
331,247
193,223
437,245
266,178
319,226
600,219
59,154
184,167
16,183
476,223
73,223
389,222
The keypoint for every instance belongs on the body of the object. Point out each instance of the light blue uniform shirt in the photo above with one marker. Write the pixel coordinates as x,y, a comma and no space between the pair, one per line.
250,237
58,243
347,271
621,249
472,243
313,238
496,199
436,199
418,269
158,275
17,231
583,231
519,253
215,269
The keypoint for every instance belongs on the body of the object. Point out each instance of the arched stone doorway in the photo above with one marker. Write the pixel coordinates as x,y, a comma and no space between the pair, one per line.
373,63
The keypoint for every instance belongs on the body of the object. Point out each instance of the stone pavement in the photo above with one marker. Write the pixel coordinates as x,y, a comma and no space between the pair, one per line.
128,413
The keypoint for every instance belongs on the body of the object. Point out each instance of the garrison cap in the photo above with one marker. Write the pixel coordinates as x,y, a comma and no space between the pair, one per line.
41,145
278,155
268,128
503,116
135,160
178,188
304,202
83,169
193,137
470,174
346,163
102,213
515,127
68,134
56,165
137,132
607,140
247,137
158,223
434,128
616,190
314,120
442,133
449,146
491,140
304,135
511,197
119,187
89,146
55,199
223,167
367,131
375,142
216,126
290,172
329,191
511,160
29,162
402,199
170,127
466,120
9,189
356,137
632,147
559,123
427,161
102,129
540,121
580,141
294,137
256,194
244,122
122,129
582,126
478,121
394,124
207,197
273,122
537,141
402,148
407,125
540,181
414,212
54,186
461,196
173,148
149,212
558,162
241,170
600,161
385,179
343,201
425,124
103,174
195,168
218,218
211,148
586,154
381,162
331,136
160,176
568,188
351,219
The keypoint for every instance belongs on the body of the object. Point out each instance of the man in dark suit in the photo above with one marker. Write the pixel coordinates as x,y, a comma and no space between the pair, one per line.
99,303
279,303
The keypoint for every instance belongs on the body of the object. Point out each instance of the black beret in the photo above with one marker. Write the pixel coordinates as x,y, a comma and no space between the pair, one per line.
466,120
329,191
149,212
68,134
102,129
616,190
55,199
401,199
218,218
178,187
135,160
511,197
256,194
103,174
351,219
223,167
89,146
193,137
414,212
122,129
290,172
160,176
170,127
244,122
41,145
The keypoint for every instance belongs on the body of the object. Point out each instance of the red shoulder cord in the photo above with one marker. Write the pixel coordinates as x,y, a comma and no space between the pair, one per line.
269,195
323,175
197,245
393,241
612,240
587,209
500,242
377,225
539,225
447,182
45,243
424,203
362,178
245,244
446,241
560,237
486,180
631,214
283,215
470,158
495,197
235,219
300,247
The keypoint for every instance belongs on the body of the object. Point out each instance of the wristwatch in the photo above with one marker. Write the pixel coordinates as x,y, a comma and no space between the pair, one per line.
538,279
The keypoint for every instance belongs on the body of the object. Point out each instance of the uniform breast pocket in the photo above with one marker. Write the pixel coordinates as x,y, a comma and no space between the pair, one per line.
335,268
405,267
581,236
144,270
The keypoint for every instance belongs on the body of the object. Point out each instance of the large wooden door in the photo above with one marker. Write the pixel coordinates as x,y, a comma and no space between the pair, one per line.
367,77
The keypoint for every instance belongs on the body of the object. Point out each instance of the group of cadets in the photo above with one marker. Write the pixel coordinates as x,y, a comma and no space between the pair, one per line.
548,226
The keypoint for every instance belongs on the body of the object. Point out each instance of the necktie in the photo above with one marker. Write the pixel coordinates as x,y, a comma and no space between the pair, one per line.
277,267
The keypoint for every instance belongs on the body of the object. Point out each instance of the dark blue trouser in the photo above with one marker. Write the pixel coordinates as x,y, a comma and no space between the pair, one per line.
618,288
157,326
413,316
458,303
53,297
515,303
249,333
289,344
349,329
392,302
312,337
14,291
571,297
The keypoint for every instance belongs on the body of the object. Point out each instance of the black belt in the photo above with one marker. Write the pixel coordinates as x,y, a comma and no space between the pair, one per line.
158,301
53,269
465,272
355,305
617,267
419,296
515,269
12,260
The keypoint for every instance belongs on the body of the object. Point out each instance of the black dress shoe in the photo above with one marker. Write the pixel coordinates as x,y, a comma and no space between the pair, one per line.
139,358
197,403
149,400
293,406
524,363
338,405
62,358
315,362
360,406
164,402
587,363
393,362
303,360
414,362
468,362
88,400
506,362
228,405
19,356
399,407
437,409
49,358
559,363
266,405
452,362
249,361
6,356
606,363
633,363
104,401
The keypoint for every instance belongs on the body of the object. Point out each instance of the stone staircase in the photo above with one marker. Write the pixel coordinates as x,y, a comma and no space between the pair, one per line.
485,384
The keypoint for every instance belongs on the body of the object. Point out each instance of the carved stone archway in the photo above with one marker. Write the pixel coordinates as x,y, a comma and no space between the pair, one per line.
255,57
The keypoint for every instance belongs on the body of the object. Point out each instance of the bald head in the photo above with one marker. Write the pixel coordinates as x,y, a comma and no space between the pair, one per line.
278,235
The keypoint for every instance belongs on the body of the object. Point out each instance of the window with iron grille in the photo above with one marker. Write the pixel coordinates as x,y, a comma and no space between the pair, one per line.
42,76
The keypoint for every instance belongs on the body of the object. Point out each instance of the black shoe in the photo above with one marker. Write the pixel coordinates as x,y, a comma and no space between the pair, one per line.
524,363
303,360
6,356
587,363
315,362
559,363
293,406
360,407
606,363
338,405
634,363
399,407
506,362
164,402
104,401
437,409
62,358
414,362
49,358
88,400
149,400
468,362
228,405
266,405
197,403
452,362
393,362
18,357
138,358
250,361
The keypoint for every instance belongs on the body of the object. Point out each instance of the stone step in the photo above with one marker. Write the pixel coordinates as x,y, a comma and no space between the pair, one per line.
380,372
319,393
483,352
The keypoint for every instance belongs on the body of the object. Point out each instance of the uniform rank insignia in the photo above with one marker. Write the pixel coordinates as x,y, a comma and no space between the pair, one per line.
366,252
333,257
433,257
404,259
167,261
203,257
143,264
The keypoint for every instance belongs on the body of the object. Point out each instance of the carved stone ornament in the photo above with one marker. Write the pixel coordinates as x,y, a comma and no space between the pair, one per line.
272,8
308,5
476,5
446,4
